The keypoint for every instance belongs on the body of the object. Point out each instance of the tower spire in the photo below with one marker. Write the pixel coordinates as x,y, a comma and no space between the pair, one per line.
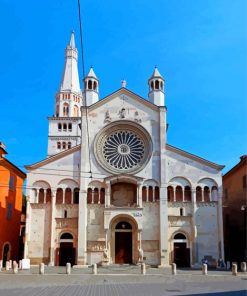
69,96
70,78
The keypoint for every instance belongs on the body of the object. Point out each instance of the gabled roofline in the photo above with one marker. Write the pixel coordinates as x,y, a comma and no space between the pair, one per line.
242,162
9,163
194,157
125,91
53,158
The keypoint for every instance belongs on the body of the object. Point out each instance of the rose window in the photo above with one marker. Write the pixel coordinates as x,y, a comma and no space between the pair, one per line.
123,150
123,147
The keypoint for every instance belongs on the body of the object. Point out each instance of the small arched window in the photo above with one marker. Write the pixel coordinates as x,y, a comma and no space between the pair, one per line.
65,109
206,194
65,213
95,85
90,84
57,111
59,127
123,225
70,127
179,236
179,193
58,145
170,193
69,145
187,193
76,196
64,145
198,194
157,193
152,85
157,84
66,236
65,127
76,111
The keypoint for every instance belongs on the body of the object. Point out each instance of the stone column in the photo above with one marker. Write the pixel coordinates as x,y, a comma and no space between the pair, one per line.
220,225
202,194
85,178
139,188
93,195
52,228
174,193
153,188
183,194
147,197
28,226
164,260
63,190
194,228
108,194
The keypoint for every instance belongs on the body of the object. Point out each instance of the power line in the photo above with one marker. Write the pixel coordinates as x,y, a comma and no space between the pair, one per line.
84,76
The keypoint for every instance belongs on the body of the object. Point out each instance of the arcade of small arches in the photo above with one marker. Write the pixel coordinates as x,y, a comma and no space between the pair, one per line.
62,195
156,84
65,110
64,127
91,84
203,194
63,145
135,194
180,190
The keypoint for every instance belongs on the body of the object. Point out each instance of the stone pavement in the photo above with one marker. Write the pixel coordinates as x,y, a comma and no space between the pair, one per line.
121,281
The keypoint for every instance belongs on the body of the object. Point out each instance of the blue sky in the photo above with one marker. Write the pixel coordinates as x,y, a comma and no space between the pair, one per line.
199,47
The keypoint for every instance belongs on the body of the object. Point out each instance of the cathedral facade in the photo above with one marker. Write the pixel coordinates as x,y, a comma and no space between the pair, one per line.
111,190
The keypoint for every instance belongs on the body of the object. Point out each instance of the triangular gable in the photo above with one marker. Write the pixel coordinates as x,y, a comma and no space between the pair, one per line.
194,157
53,158
123,91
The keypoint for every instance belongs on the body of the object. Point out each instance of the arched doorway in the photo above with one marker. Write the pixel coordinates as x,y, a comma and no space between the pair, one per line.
181,250
66,251
6,253
123,243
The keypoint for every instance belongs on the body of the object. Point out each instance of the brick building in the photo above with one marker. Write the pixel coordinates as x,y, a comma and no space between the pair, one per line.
11,186
235,211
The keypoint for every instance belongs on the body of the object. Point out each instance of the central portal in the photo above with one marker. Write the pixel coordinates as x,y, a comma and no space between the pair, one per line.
123,243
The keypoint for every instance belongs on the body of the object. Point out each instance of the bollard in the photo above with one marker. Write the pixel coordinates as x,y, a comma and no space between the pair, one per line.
1,265
243,266
15,267
7,265
20,264
42,268
10,264
143,268
174,268
94,269
234,269
204,269
68,268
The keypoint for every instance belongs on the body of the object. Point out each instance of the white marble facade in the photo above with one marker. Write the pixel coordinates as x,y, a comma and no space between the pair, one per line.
112,188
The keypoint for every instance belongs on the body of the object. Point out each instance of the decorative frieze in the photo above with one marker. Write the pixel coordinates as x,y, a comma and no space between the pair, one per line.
38,206
179,204
66,223
179,221
95,246
206,204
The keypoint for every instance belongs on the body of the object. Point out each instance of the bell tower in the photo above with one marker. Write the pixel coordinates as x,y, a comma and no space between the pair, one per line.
91,88
156,85
64,131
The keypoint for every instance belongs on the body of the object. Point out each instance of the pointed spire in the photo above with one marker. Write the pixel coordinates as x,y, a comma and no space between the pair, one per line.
72,40
156,73
91,73
70,78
